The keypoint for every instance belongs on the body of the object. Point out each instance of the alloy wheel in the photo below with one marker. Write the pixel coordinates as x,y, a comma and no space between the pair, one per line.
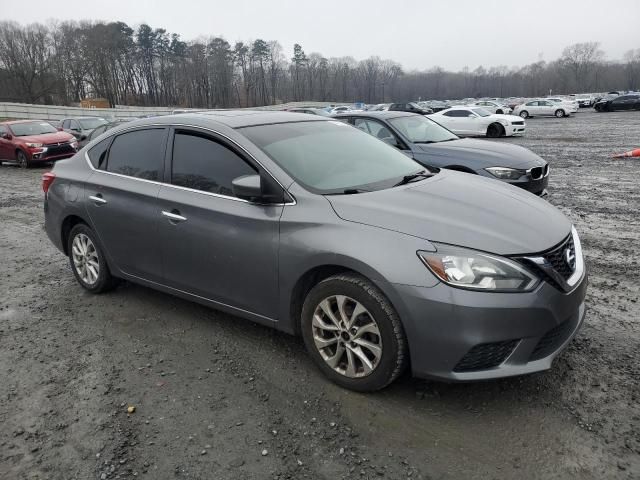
85,259
347,336
22,160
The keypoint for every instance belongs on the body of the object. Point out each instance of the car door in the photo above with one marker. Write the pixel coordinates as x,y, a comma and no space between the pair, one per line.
6,145
546,107
532,108
467,122
121,196
449,120
215,245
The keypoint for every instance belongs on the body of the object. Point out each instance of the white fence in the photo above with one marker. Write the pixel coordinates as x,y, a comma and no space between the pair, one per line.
54,112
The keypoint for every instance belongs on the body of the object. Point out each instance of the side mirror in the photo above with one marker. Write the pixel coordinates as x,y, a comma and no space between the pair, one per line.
247,187
75,129
471,115
6,136
390,141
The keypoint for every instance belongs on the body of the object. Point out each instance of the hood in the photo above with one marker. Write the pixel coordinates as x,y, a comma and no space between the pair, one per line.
56,137
461,209
506,116
485,153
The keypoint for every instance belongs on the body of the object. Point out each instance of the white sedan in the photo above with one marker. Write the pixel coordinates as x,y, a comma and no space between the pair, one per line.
493,106
542,107
476,121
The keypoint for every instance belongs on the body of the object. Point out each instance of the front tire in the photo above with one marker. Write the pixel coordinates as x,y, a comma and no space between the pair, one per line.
495,130
560,113
353,333
87,260
499,112
23,162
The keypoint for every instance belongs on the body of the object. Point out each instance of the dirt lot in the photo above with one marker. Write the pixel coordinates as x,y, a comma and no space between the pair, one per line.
218,397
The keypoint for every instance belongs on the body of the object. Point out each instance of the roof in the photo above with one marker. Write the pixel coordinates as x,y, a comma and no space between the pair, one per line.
82,117
384,114
13,122
233,118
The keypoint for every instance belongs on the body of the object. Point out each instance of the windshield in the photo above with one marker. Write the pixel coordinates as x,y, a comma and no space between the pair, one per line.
482,112
91,123
419,129
31,128
330,156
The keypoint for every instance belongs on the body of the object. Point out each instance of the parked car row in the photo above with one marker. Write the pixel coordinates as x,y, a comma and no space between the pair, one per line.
30,142
379,261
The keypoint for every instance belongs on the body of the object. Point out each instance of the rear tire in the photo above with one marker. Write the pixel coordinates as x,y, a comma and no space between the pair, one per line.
524,114
87,260
361,322
560,113
495,130
23,162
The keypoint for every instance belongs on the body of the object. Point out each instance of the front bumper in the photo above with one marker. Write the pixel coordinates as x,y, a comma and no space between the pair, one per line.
537,187
511,130
462,335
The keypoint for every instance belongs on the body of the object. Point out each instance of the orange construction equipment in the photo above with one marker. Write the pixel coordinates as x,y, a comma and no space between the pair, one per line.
630,153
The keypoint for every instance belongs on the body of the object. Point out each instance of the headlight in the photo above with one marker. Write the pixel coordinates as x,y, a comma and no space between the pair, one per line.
74,145
504,173
33,145
463,268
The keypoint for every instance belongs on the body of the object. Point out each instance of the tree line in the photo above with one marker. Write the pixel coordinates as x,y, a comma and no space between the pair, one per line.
65,62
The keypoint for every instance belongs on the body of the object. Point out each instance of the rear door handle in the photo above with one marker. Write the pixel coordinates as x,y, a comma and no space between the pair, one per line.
174,216
98,199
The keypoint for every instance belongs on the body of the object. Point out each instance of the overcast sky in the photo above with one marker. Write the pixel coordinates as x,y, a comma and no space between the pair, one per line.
417,33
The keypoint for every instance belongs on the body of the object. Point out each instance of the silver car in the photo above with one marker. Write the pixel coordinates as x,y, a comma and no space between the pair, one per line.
310,226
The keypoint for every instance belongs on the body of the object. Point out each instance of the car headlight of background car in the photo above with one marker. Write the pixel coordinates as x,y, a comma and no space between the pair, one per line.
469,269
504,173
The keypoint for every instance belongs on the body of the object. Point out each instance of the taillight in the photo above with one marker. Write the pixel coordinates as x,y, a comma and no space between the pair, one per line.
47,180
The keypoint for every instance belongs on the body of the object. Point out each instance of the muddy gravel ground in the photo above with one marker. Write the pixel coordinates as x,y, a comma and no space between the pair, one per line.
217,397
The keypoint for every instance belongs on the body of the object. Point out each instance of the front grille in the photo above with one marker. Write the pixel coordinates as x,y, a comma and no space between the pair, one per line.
564,264
485,356
55,149
552,341
558,258
517,123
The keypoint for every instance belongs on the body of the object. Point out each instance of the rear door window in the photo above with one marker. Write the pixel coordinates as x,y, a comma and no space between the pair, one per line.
138,154
202,163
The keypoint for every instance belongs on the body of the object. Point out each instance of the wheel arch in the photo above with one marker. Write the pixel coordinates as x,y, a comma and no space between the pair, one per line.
68,223
314,275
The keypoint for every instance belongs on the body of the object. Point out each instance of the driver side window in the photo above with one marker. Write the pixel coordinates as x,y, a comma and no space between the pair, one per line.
377,130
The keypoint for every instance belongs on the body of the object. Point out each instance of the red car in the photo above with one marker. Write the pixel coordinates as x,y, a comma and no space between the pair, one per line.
27,142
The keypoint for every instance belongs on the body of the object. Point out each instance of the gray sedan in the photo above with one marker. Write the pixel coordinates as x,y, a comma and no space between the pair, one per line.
433,145
313,227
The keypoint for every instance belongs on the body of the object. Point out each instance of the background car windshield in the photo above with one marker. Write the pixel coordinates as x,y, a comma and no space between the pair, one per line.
31,128
90,123
482,112
419,129
330,156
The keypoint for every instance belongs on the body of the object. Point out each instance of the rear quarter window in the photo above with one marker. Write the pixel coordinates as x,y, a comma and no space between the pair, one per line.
98,154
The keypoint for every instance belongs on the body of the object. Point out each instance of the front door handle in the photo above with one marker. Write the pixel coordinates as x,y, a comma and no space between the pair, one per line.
98,199
174,216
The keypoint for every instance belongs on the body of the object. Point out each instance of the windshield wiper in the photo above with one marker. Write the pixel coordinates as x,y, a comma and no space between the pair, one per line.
410,178
426,141
349,191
